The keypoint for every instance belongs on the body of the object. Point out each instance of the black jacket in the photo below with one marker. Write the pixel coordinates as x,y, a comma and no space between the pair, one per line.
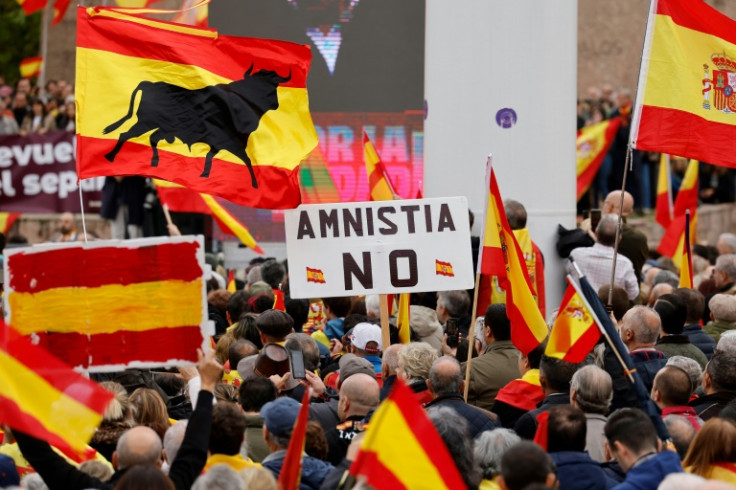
709,406
189,462
478,419
700,339
526,426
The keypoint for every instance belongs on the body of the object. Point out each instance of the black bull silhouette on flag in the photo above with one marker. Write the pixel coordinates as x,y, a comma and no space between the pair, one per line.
222,116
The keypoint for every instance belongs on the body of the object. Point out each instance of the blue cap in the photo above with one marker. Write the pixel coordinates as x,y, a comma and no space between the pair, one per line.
279,416
8,472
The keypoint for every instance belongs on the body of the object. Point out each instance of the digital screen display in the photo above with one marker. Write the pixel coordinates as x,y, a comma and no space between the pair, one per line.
367,73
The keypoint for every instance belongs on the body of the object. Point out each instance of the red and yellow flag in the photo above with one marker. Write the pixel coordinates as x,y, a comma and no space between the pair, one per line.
501,256
31,6
291,470
45,398
443,268
231,281
183,200
592,145
672,243
221,115
687,80
7,220
60,8
402,449
111,303
378,179
574,333
315,275
663,213
403,318
686,263
31,67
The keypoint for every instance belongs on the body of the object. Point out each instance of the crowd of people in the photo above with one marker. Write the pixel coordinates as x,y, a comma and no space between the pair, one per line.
716,184
27,109
227,424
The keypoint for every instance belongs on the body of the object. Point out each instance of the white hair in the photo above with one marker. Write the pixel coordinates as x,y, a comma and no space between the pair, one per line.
728,239
727,342
690,366
219,477
373,305
490,446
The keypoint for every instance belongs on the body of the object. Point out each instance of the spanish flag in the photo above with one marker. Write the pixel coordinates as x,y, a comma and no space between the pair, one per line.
291,470
686,263
231,281
182,200
575,332
7,220
592,145
60,8
673,240
221,115
31,67
31,6
402,449
686,96
378,179
501,256
663,213
106,303
403,318
45,398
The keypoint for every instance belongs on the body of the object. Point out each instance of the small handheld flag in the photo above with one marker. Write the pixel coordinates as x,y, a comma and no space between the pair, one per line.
574,333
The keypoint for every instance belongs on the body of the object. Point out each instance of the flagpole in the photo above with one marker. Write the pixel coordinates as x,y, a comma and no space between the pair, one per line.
609,306
471,337
81,207
385,333
598,322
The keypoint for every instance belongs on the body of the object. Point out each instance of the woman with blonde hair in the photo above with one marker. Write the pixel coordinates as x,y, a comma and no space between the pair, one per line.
115,421
712,453
149,409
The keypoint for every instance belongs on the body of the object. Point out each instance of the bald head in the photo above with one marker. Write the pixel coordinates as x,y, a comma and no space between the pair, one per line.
66,223
659,290
139,445
445,377
612,204
359,394
515,213
640,328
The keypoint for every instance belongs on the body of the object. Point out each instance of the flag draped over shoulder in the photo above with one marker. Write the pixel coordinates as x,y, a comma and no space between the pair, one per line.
183,200
663,213
402,449
686,100
574,333
45,398
592,145
501,256
291,470
379,183
222,115
673,241
31,67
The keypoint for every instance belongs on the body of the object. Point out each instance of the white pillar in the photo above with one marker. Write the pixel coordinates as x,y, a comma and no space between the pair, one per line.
483,56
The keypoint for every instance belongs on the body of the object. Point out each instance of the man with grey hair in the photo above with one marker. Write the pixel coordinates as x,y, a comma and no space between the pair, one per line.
254,276
666,277
591,390
639,332
596,262
389,368
724,275
307,345
219,477
454,304
446,384
453,430
726,243
681,431
727,342
722,314
489,448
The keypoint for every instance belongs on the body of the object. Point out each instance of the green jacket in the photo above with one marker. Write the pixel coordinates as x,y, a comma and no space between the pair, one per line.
716,328
491,371
679,345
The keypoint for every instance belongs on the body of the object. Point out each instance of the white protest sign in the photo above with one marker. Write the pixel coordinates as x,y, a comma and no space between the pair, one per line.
412,245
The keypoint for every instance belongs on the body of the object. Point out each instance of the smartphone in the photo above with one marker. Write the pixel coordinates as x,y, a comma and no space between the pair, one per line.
296,361
595,218
453,334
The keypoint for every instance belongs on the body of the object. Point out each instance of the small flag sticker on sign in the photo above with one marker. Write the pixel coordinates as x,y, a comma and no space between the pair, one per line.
444,268
315,275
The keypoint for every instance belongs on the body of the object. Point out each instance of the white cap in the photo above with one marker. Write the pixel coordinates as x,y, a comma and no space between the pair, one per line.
363,333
